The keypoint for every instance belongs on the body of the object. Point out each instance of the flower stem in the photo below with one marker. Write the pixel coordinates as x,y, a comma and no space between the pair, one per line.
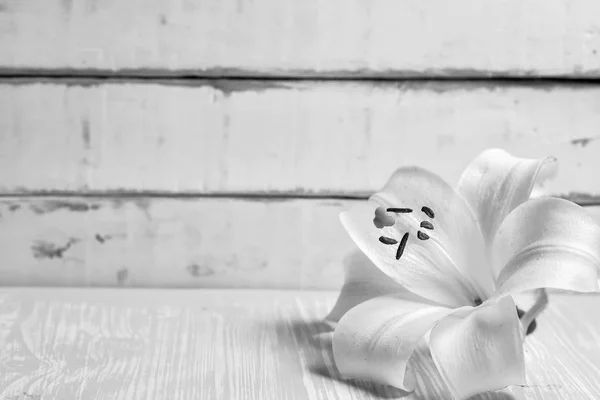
535,310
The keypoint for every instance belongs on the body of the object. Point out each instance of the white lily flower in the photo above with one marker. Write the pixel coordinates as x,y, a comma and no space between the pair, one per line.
445,262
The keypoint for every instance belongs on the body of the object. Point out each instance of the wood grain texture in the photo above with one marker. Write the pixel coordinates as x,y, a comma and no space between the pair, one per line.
277,137
234,344
341,37
144,242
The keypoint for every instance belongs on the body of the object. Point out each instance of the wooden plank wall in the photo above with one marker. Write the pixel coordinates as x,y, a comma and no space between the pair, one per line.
315,38
212,143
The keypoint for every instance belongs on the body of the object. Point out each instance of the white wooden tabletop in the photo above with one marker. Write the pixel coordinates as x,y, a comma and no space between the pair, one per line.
238,344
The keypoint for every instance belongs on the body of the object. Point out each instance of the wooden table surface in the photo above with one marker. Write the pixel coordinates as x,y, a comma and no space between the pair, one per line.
238,344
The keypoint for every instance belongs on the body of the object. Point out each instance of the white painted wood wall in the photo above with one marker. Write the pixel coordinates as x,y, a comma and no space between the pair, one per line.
213,143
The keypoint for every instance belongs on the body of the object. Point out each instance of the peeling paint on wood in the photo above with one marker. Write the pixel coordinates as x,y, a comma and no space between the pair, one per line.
85,132
43,249
398,38
225,87
175,243
209,344
584,199
582,141
122,275
102,238
196,270
234,144
50,206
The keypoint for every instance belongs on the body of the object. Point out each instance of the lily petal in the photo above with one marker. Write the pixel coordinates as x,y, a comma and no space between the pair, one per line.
364,281
446,265
548,243
479,349
497,182
375,340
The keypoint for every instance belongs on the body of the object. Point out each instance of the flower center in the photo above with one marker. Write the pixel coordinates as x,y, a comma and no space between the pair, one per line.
383,217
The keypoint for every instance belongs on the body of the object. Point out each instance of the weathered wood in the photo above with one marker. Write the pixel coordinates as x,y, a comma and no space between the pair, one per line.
153,242
342,37
172,243
308,138
234,344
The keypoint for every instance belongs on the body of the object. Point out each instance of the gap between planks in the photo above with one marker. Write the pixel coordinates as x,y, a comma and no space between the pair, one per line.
133,75
582,199
252,196
191,78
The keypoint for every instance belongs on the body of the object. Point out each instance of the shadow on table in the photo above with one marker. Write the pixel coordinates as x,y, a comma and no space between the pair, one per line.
311,340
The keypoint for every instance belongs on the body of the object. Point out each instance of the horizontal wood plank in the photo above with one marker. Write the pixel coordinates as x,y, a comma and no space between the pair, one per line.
236,344
173,243
311,37
303,138
144,242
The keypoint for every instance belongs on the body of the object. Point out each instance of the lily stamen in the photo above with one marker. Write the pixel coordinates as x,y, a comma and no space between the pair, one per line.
428,211
400,210
422,235
387,240
402,245
427,225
